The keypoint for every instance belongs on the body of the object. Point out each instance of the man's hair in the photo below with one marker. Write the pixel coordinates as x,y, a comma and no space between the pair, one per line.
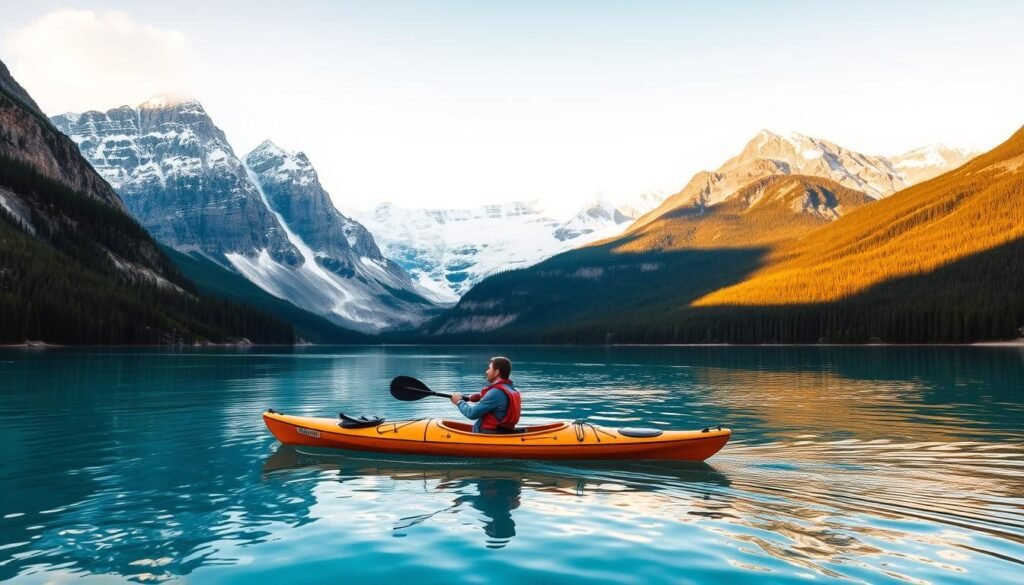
503,365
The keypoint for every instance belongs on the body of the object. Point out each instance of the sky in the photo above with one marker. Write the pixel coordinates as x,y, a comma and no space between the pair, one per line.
460,104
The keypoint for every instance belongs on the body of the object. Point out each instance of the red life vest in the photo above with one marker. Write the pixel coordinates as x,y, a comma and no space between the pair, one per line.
515,405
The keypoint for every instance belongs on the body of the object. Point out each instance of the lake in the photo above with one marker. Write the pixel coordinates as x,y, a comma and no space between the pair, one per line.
862,464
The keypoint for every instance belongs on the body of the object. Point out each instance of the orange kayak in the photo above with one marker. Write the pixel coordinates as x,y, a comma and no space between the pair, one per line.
561,440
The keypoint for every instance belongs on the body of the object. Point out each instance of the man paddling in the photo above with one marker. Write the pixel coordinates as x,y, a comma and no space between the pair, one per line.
496,408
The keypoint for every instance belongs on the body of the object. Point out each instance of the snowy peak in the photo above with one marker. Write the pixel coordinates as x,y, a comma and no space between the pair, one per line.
274,163
596,216
166,100
180,178
340,254
770,154
929,161
795,153
640,204
163,140
790,147
450,250
516,210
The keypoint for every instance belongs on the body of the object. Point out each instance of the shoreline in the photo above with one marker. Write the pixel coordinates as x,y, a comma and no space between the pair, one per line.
1016,343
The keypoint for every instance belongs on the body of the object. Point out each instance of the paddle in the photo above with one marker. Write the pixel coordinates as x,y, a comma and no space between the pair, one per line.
408,388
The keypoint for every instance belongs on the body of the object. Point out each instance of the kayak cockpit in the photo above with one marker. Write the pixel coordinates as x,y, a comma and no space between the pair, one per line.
451,425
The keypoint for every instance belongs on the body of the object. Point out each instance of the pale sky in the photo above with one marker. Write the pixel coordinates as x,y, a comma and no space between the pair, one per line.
458,104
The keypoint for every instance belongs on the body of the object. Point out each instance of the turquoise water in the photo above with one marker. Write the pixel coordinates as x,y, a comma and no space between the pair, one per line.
868,464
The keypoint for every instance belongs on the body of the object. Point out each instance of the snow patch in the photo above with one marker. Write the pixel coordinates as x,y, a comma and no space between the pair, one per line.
12,207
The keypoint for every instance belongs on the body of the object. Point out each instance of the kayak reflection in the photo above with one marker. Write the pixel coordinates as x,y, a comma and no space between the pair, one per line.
495,488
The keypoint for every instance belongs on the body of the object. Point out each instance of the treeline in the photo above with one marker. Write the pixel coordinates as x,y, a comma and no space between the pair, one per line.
978,298
63,286
81,226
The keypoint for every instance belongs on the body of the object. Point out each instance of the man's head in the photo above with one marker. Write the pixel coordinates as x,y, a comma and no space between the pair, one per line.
499,368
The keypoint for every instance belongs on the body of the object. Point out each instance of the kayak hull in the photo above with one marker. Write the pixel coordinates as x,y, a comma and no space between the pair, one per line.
445,438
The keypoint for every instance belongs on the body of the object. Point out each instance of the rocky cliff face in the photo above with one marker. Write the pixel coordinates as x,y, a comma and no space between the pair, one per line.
343,268
13,89
180,178
27,136
293,190
268,218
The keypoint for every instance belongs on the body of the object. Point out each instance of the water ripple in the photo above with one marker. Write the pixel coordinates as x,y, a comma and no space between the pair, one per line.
847,464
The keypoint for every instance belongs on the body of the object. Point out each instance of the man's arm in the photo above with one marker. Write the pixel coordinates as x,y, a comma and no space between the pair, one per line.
486,404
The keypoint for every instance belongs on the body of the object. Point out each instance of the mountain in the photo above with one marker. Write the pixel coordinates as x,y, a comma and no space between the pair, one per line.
766,211
451,250
13,91
180,178
942,261
596,217
769,154
75,267
970,211
689,251
342,267
271,222
923,163
217,281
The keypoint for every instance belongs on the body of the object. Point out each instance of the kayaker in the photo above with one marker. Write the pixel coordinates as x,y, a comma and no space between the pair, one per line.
496,408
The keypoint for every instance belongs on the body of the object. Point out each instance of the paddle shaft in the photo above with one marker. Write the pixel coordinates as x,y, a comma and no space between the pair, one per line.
428,392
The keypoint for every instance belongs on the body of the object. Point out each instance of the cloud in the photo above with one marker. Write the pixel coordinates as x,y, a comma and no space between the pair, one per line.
75,60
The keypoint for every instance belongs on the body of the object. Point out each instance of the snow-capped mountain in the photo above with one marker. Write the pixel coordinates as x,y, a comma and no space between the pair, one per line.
179,177
270,221
343,268
768,154
450,250
640,204
598,216
927,162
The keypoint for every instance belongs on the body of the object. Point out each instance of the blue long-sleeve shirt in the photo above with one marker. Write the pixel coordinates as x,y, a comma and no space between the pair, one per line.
495,401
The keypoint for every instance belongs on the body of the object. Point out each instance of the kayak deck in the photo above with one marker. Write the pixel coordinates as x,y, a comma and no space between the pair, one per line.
562,440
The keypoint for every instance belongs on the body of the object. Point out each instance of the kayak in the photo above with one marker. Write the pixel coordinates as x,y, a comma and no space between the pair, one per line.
561,440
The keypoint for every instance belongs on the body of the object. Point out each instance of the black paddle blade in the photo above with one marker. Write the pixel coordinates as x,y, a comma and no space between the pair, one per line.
408,388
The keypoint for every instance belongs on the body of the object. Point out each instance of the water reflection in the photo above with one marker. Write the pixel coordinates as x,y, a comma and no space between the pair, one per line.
495,489
864,464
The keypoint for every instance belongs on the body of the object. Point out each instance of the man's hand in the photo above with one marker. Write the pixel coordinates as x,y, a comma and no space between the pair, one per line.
456,398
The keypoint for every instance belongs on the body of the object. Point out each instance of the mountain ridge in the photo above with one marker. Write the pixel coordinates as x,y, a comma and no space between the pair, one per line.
182,179
769,153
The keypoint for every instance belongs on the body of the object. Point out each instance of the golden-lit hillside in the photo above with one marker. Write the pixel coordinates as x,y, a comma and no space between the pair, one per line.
765,212
964,212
